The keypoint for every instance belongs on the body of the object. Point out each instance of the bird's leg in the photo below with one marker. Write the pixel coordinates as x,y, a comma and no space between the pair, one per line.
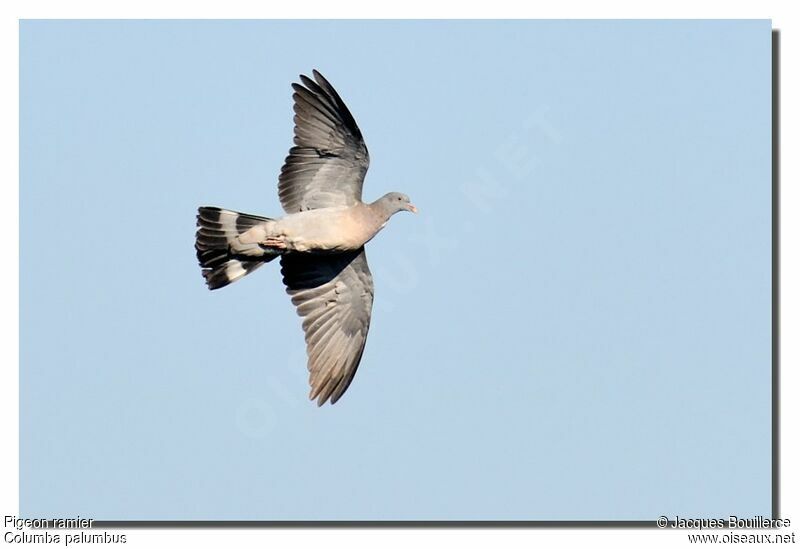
273,242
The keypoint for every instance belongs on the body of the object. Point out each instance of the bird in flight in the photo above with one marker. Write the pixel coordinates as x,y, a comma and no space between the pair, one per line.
320,240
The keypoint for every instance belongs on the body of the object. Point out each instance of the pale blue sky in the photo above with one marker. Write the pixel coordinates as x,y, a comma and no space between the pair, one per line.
575,327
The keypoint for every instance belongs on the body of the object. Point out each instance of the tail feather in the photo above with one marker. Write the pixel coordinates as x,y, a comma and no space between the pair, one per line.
221,262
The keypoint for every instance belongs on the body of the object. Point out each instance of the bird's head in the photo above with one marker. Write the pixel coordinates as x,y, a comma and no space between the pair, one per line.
396,202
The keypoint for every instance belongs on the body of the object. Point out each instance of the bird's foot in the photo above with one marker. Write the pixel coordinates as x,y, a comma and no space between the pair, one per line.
275,243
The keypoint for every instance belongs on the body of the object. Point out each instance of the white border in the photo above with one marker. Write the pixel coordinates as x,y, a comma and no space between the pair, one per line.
784,18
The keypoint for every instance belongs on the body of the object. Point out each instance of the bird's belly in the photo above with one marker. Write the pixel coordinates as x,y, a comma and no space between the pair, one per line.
311,231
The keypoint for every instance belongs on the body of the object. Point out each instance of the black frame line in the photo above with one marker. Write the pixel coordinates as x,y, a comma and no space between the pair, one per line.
776,273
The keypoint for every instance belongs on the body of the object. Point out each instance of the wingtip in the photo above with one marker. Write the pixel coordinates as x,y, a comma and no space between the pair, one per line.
314,72
307,82
320,396
321,80
316,396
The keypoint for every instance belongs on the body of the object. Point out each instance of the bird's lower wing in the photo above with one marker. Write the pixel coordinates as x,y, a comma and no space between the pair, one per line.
333,293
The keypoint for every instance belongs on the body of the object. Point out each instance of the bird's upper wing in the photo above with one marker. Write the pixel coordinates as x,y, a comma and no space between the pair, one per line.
333,293
327,165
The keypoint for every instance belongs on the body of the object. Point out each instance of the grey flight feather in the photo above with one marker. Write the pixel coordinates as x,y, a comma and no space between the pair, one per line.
329,161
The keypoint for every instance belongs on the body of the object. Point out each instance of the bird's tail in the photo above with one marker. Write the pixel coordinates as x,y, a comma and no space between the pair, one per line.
222,256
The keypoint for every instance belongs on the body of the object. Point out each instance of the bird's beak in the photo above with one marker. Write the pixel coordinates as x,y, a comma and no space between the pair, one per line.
412,208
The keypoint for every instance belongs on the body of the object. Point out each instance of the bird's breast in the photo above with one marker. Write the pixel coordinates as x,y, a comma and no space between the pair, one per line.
326,229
